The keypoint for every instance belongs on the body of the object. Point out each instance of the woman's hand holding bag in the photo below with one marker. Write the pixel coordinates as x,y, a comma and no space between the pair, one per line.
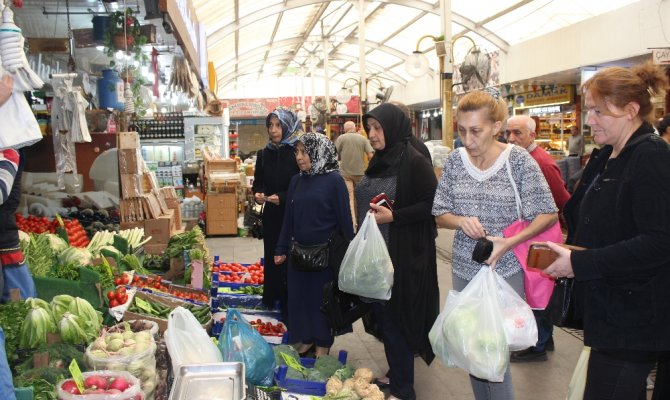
367,269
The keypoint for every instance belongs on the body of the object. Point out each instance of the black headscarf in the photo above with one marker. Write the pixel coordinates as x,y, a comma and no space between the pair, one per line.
397,131
322,153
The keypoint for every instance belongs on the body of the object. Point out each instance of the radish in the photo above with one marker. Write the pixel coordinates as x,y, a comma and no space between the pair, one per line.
70,387
113,391
119,383
95,382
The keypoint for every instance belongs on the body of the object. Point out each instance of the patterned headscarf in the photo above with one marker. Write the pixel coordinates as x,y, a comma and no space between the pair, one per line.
290,127
322,154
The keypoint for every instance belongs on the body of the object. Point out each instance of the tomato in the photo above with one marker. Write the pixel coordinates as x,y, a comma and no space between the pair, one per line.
136,278
118,281
110,295
121,289
113,303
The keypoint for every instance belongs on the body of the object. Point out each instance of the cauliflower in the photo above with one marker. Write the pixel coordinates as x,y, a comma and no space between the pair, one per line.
365,374
348,384
362,388
333,386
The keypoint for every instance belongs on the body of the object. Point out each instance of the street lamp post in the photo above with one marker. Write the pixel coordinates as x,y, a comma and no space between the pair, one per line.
417,65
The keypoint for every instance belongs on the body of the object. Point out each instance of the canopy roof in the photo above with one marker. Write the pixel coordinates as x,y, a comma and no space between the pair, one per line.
252,41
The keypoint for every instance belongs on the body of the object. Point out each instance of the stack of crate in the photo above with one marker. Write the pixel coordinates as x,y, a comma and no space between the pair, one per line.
172,202
142,202
223,182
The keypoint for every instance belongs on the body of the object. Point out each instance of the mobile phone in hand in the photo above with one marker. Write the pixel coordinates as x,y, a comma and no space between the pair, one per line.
382,200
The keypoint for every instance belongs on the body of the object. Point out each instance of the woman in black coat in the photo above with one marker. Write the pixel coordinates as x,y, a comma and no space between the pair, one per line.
407,177
275,166
621,214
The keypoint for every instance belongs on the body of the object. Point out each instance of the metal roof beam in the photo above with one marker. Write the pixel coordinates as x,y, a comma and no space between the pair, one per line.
220,33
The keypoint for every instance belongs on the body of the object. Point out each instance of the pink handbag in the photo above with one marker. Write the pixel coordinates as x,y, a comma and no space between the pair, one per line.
538,286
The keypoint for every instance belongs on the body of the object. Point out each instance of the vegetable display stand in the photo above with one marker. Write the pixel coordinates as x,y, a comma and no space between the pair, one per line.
24,393
303,386
88,287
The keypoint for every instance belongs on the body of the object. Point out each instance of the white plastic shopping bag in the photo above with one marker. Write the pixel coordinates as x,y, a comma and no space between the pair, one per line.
366,269
578,380
518,319
187,341
469,332
19,126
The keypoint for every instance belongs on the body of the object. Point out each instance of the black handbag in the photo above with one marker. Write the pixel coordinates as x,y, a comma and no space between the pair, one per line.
563,307
341,309
310,258
253,218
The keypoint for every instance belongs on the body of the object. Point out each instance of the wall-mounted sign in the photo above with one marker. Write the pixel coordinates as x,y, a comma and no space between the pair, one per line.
661,56
550,95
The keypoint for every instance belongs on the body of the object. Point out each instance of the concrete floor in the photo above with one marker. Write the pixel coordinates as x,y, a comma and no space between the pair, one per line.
532,381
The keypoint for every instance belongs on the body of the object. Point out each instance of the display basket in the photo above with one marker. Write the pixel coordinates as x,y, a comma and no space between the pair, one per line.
302,386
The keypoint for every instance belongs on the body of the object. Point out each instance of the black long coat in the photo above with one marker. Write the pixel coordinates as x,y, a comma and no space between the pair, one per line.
274,170
621,213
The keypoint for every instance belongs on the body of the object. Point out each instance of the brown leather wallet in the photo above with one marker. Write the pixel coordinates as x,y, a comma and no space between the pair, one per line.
540,256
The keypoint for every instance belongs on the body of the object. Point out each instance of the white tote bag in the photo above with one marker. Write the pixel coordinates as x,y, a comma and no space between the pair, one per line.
19,126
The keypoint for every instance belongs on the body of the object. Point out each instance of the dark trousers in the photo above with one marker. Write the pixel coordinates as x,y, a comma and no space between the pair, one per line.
544,330
613,379
399,355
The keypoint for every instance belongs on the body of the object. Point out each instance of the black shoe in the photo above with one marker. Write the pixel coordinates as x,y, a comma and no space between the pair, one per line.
550,344
381,384
528,355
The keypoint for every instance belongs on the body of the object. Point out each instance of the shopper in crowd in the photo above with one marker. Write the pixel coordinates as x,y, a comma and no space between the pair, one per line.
352,150
275,166
521,132
664,128
15,273
620,213
413,140
575,142
406,176
317,209
476,197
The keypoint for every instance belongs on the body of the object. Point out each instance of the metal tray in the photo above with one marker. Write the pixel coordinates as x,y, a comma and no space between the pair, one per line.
212,381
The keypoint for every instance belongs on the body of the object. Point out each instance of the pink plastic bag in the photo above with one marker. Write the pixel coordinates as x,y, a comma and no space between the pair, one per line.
538,286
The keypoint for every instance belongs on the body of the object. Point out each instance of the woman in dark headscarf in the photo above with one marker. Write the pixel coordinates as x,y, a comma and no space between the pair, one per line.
406,176
318,206
275,166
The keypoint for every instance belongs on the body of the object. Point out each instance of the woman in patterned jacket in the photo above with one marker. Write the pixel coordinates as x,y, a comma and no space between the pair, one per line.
476,198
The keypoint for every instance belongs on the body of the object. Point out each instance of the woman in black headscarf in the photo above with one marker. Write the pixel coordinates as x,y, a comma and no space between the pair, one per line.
275,166
318,206
406,176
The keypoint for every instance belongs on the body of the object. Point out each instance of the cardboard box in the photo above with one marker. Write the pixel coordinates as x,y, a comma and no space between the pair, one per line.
155,249
131,225
131,186
170,302
128,140
130,162
160,229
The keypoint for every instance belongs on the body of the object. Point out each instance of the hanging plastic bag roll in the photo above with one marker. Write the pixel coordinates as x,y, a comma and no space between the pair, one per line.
367,269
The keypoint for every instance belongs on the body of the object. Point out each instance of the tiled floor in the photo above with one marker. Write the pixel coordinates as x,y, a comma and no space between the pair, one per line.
532,381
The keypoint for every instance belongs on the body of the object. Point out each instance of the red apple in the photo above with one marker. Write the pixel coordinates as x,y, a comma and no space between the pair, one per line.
70,386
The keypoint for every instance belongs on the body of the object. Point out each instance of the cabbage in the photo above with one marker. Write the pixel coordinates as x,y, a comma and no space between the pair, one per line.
70,328
60,304
35,327
24,237
75,255
57,244
91,321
